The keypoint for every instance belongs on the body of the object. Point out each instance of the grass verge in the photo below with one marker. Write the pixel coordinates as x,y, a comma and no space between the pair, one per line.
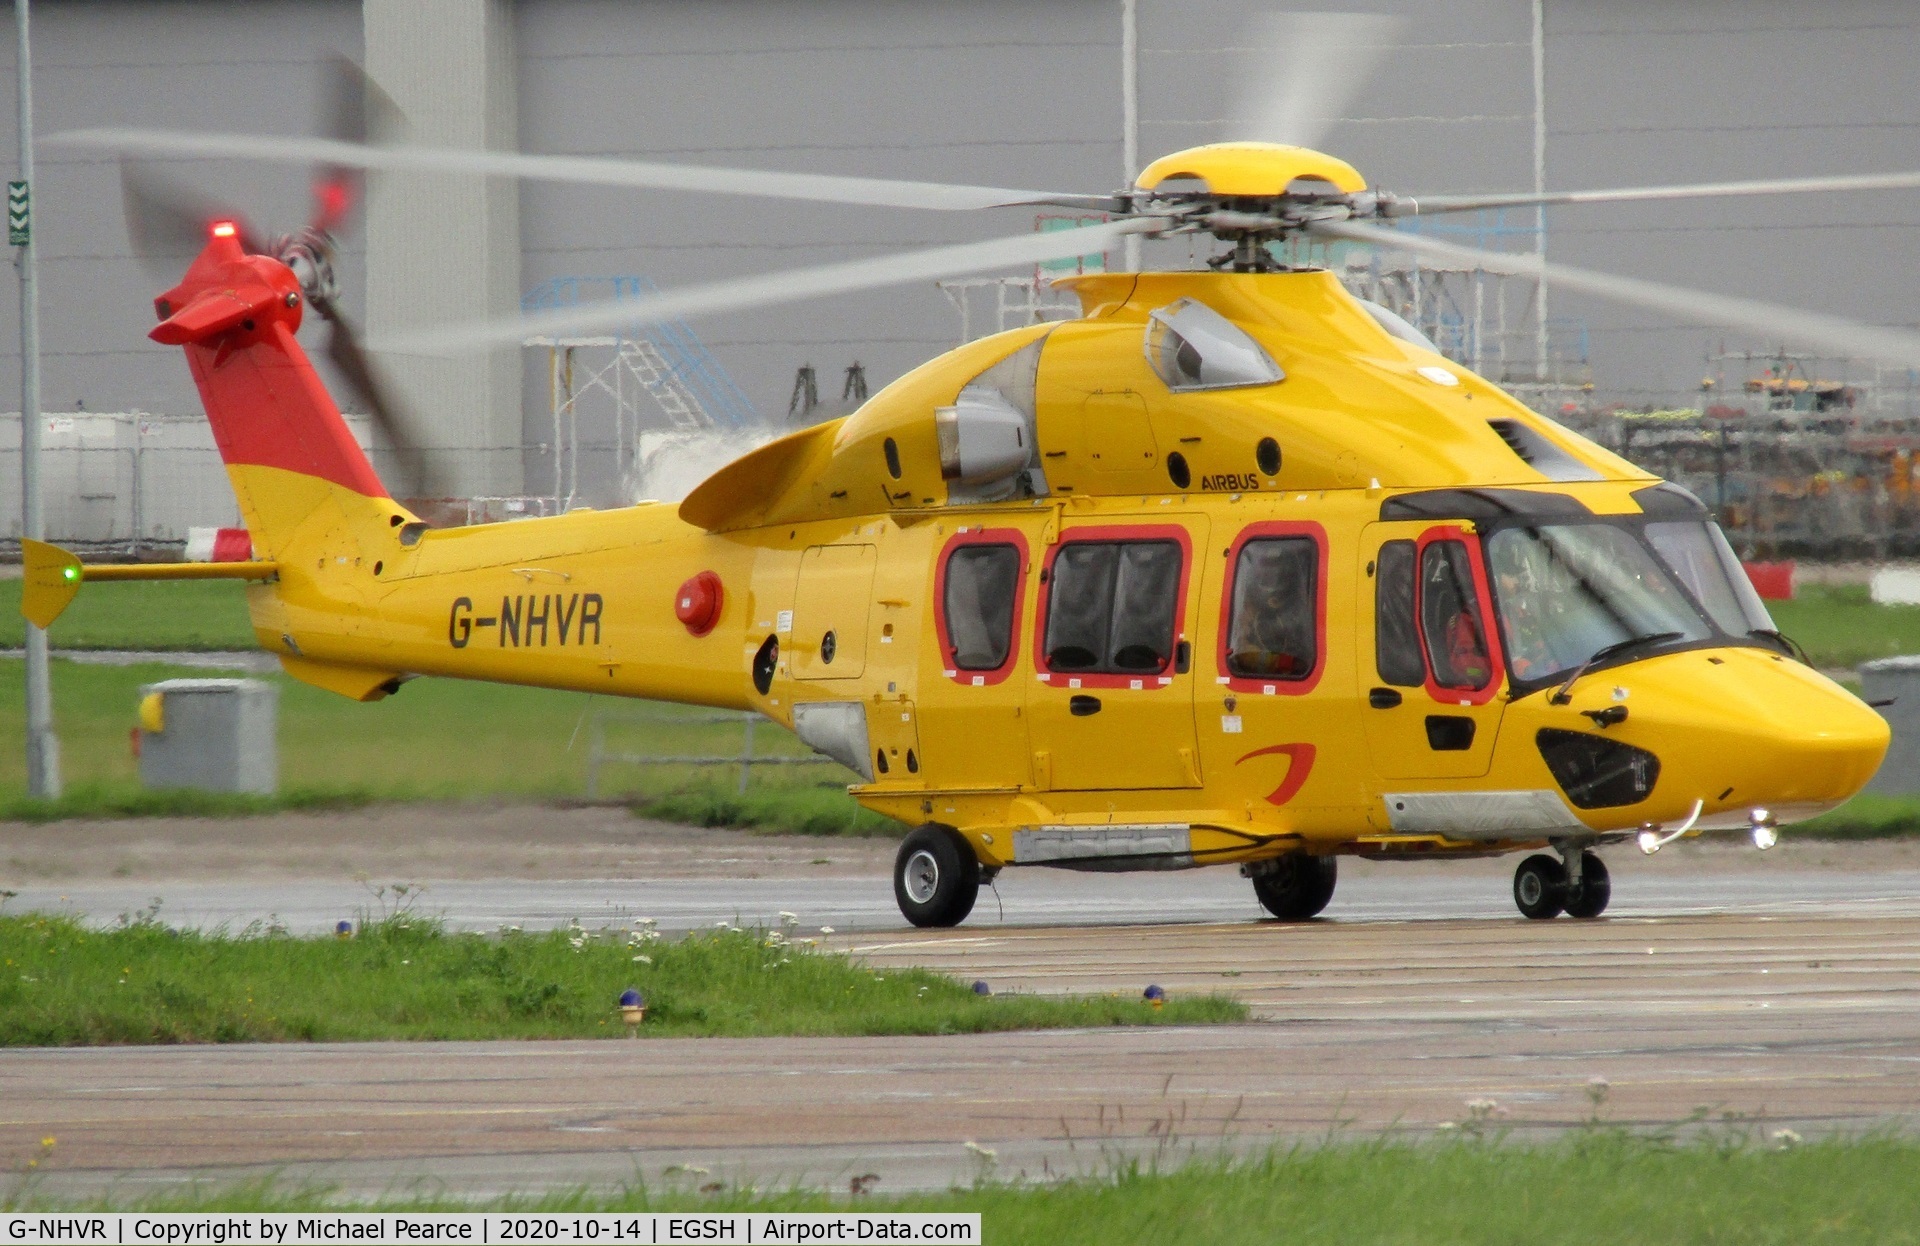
63,984
1866,816
436,739
1839,625
140,614
1597,1185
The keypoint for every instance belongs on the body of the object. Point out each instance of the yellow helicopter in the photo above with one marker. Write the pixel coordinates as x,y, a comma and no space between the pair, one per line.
1233,569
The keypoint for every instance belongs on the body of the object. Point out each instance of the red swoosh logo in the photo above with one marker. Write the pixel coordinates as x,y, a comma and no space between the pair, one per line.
1300,755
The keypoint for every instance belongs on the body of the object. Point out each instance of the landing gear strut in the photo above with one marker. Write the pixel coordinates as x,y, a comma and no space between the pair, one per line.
1543,888
1588,897
1295,887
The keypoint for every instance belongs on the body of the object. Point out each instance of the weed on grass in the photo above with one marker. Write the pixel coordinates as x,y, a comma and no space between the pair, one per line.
405,977
1590,1186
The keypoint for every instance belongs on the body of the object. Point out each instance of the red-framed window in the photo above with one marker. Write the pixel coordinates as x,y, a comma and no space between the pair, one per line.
1455,612
1113,607
1273,621
979,588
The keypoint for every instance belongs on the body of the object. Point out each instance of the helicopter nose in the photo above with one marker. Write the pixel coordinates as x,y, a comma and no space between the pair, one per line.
1740,730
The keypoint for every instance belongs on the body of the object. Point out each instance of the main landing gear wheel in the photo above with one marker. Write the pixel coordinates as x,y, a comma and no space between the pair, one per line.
1540,887
1590,898
936,877
1298,887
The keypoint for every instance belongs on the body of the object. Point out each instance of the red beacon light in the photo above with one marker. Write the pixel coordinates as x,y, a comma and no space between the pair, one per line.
697,603
225,229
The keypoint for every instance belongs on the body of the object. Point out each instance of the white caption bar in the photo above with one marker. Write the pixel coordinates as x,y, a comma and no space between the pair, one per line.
180,1228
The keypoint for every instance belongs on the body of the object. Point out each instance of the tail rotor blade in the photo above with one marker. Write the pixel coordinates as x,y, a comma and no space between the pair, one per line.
168,224
1844,339
347,354
1301,70
359,113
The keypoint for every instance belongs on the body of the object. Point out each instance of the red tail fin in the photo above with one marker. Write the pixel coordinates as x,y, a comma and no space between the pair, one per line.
235,314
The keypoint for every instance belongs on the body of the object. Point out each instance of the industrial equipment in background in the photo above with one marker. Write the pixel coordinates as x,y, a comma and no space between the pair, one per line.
211,735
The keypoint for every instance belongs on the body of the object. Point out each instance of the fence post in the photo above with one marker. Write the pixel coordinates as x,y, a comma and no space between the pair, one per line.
746,752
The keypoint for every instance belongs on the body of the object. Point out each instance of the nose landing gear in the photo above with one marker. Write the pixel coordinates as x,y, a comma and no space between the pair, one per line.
1543,888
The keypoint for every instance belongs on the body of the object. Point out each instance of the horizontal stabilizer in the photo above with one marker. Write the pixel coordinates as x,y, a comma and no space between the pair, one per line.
51,576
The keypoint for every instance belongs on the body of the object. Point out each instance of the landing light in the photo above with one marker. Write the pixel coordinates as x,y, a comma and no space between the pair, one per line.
1765,833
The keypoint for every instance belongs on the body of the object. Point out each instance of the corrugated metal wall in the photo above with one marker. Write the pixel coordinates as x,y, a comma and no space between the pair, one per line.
1023,94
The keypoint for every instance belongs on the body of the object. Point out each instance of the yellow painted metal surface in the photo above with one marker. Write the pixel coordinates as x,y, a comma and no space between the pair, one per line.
1251,169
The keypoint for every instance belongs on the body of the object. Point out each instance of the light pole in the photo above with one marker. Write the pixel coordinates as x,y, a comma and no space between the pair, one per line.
1130,109
43,746
1540,180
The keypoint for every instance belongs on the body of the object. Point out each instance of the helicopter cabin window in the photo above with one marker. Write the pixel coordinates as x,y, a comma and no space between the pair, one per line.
1271,630
1192,347
1396,635
1450,622
982,584
1111,607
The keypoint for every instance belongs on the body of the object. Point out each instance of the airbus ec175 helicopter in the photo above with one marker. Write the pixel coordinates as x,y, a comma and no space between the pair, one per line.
1233,569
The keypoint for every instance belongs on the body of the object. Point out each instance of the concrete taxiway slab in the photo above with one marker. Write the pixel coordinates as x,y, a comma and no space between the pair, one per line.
1782,1018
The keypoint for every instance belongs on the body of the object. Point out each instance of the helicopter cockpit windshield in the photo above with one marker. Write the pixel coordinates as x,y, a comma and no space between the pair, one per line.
1191,346
1567,591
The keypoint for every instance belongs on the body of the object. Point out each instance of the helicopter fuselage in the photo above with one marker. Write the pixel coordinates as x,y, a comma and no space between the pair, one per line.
1154,588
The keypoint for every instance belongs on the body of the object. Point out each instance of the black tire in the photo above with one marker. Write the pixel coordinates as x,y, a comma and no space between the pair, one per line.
1540,887
1299,888
1590,898
936,877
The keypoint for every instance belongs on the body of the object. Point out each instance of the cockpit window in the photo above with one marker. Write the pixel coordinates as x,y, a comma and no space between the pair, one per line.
1450,622
1191,346
1567,591
1697,552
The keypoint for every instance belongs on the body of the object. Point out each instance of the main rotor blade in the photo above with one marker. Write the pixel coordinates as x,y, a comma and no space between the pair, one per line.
1302,70
769,289
1427,205
1846,339
585,170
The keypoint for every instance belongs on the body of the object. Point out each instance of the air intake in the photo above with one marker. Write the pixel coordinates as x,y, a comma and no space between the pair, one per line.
1540,454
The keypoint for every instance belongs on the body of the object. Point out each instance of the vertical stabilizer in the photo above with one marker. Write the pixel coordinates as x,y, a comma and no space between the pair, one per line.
300,477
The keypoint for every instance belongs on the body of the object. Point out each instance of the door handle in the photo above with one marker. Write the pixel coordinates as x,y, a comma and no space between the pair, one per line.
1081,706
1383,698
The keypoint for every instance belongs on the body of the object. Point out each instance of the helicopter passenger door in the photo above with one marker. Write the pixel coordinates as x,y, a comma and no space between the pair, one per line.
1426,615
1111,705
